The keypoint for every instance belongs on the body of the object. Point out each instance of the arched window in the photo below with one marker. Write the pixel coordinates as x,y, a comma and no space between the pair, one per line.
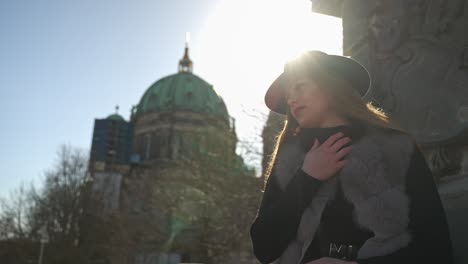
155,146
147,146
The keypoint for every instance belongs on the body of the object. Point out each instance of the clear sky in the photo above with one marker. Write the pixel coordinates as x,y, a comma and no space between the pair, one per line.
64,63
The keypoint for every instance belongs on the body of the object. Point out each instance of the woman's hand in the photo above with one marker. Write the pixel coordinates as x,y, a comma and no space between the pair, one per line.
324,161
331,261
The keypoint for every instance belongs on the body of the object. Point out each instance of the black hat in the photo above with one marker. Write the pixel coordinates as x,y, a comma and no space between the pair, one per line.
314,61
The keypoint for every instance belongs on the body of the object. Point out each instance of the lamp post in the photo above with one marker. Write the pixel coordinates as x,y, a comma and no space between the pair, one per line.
44,240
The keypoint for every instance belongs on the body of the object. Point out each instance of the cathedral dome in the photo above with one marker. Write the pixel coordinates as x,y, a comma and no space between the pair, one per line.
115,117
183,92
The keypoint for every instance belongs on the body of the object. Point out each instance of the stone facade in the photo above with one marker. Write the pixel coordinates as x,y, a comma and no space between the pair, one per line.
417,54
183,193
174,134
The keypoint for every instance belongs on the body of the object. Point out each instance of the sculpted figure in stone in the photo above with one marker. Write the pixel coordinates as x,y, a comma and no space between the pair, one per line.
417,77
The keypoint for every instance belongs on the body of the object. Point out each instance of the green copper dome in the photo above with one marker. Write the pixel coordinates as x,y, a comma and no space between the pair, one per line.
183,91
116,117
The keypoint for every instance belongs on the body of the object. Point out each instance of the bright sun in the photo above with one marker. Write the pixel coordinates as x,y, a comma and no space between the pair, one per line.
245,43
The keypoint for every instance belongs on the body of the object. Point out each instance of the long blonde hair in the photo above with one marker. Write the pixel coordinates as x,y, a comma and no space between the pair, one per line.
345,100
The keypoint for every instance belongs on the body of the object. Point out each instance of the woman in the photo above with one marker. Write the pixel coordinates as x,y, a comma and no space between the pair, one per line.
345,185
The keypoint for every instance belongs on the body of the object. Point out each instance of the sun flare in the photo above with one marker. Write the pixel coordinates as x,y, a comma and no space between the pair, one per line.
245,43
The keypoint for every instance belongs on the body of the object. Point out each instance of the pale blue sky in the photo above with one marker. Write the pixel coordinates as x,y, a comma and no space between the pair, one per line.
64,63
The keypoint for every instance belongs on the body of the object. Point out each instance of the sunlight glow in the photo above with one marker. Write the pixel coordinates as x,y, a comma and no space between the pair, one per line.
187,37
245,43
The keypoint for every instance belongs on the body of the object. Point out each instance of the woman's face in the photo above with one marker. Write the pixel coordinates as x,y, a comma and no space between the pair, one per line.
308,103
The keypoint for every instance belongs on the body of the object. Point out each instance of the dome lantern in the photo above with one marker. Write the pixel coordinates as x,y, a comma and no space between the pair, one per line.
186,64
182,92
116,116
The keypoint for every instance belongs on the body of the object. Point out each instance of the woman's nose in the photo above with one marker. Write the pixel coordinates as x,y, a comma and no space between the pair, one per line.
291,101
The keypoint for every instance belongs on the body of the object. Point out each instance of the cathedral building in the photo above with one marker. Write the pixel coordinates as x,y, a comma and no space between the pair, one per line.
167,168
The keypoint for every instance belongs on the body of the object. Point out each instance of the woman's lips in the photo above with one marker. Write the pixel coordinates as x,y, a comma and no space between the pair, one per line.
296,111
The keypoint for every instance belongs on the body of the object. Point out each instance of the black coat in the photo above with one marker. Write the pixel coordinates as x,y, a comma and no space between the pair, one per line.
280,212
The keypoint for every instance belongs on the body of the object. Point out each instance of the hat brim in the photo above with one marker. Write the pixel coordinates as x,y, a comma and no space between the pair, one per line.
275,97
347,68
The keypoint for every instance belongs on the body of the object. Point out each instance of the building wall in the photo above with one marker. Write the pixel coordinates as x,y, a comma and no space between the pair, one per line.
175,135
417,54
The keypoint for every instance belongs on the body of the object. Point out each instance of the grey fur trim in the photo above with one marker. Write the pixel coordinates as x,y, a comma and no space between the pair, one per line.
288,159
373,181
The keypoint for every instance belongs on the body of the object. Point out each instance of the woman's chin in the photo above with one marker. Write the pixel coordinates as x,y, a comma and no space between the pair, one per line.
307,124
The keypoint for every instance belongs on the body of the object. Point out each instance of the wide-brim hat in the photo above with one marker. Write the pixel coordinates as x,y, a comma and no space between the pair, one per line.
317,62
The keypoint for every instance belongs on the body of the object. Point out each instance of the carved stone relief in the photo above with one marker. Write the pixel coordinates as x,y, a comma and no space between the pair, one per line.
416,51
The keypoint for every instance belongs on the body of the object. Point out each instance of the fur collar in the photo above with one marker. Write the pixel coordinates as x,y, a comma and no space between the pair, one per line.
373,180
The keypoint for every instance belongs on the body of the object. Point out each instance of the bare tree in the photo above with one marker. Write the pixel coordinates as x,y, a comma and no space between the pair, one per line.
16,214
57,207
203,205
61,200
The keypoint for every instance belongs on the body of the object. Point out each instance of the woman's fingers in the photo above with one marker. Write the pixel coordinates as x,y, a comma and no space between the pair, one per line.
326,159
316,144
332,139
340,143
343,152
340,164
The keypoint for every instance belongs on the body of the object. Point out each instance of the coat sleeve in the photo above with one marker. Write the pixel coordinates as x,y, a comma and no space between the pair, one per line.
428,225
279,215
